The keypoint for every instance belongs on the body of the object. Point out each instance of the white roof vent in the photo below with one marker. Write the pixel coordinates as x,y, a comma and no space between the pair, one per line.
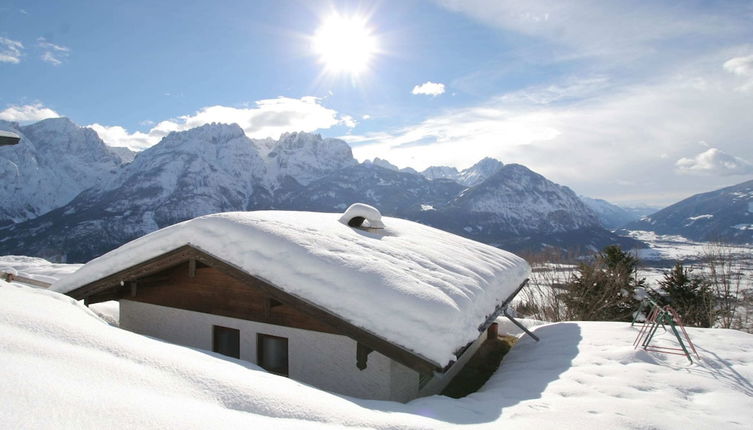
362,215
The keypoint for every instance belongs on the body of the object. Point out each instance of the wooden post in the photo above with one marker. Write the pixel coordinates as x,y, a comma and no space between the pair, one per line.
493,331
133,288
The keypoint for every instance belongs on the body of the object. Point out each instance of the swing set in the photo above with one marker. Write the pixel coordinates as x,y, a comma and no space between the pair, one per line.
663,316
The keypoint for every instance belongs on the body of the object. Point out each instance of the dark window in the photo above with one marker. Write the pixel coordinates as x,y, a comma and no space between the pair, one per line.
226,341
356,221
272,353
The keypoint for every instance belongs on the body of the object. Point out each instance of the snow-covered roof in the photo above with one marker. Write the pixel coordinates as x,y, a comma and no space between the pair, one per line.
401,282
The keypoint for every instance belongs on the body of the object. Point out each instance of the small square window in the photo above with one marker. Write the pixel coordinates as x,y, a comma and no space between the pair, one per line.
272,353
226,341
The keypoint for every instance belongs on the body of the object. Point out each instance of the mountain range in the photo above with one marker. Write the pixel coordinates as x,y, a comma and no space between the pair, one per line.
75,198
724,215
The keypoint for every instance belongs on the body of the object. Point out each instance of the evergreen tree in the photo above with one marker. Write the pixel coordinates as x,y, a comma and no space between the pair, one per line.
605,290
690,295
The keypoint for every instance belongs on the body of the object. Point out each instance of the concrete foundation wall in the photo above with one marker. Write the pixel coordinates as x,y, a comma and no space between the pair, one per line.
324,360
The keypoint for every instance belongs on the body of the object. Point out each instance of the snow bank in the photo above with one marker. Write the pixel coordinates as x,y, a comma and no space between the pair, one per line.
62,367
586,375
399,282
36,268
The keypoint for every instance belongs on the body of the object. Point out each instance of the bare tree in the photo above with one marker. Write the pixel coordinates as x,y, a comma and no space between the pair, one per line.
542,299
725,275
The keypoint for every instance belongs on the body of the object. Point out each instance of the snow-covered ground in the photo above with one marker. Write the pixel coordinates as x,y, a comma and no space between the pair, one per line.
665,250
63,367
674,247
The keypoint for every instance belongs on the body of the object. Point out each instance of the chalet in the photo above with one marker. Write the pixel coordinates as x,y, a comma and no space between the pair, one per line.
353,303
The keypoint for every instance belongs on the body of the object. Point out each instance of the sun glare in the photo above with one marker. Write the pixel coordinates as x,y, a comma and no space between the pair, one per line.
345,45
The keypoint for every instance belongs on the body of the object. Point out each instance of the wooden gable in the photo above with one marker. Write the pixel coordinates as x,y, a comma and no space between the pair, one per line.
191,279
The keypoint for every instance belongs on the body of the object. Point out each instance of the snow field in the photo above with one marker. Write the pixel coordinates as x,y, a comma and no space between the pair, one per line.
63,367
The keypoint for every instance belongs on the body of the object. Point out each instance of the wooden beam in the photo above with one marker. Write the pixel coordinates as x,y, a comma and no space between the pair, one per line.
269,304
9,277
148,267
192,268
362,355
267,308
153,279
104,297
134,286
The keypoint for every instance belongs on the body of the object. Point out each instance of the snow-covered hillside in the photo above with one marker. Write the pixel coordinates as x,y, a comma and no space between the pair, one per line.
723,215
63,367
527,201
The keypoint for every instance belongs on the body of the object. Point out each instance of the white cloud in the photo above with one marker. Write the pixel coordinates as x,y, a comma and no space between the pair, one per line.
269,118
348,121
742,67
53,54
27,113
621,30
119,136
10,50
571,89
714,162
366,116
586,140
429,88
49,57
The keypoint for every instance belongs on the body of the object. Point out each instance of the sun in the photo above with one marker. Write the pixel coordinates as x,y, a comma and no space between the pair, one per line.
345,45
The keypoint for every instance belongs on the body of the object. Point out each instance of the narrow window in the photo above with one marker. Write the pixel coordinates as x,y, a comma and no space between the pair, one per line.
272,353
226,341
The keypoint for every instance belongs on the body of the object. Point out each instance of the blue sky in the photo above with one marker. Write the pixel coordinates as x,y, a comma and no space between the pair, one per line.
632,101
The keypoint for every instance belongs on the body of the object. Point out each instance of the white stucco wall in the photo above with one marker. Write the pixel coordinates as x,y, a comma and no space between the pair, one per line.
324,360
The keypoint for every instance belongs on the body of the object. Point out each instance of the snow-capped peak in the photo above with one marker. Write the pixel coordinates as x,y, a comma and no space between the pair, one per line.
479,172
379,162
306,157
469,177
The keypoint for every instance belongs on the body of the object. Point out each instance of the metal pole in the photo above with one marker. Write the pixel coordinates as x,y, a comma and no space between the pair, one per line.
520,326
